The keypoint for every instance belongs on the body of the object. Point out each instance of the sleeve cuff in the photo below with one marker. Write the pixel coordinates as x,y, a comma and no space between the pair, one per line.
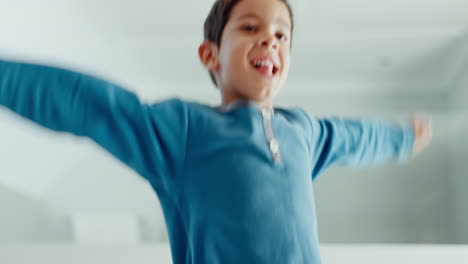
407,144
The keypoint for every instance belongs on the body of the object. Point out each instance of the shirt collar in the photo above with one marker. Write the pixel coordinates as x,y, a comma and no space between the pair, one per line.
242,103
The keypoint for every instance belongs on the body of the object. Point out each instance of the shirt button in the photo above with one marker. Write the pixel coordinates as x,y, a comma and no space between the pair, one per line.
274,147
265,113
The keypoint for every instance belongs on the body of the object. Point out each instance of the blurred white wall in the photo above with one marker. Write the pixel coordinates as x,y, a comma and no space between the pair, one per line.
23,219
459,153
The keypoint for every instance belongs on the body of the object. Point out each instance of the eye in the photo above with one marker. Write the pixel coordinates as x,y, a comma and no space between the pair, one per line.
281,36
249,28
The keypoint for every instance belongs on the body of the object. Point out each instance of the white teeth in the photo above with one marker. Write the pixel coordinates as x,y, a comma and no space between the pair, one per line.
259,63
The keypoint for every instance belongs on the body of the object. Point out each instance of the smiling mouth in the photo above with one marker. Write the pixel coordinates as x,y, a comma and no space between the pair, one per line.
265,67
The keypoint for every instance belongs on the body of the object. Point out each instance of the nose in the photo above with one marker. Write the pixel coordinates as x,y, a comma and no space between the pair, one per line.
269,41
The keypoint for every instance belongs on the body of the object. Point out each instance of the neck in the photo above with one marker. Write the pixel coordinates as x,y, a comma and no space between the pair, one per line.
261,103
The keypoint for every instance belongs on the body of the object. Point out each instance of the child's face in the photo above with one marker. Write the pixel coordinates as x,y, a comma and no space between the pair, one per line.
254,55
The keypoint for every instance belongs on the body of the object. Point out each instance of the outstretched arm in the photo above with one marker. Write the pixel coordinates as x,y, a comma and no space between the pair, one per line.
148,138
363,142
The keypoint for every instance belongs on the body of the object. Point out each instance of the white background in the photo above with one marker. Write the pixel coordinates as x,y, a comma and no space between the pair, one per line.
353,58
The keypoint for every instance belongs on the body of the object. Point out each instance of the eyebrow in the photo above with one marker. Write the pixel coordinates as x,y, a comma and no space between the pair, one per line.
253,15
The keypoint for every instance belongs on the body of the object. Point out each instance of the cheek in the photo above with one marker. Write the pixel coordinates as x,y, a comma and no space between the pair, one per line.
288,64
231,55
238,52
286,61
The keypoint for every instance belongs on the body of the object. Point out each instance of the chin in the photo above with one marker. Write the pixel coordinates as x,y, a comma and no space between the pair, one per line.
261,96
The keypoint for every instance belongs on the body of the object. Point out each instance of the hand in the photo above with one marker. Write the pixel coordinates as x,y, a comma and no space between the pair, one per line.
422,128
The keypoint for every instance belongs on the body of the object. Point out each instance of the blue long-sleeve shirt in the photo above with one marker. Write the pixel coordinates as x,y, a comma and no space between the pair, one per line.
234,182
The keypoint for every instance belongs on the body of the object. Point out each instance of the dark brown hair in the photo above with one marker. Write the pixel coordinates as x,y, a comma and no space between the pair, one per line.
218,18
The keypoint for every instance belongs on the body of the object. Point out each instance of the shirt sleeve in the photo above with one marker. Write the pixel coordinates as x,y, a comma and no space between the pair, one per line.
358,143
150,139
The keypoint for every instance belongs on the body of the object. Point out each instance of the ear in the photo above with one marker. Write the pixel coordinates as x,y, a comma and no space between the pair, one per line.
208,53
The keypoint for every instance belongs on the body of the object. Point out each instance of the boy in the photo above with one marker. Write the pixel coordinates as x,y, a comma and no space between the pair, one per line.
234,181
